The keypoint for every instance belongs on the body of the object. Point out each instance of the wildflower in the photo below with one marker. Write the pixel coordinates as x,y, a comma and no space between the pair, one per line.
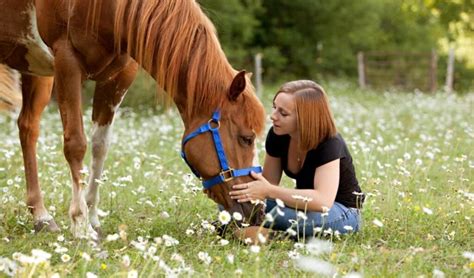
325,211
418,162
138,245
164,214
86,256
468,255
291,232
317,247
204,257
302,198
348,228
65,258
377,223
280,212
126,261
328,232
8,266
189,232
113,237
91,275
302,215
353,275
427,211
41,255
177,257
170,241
230,258
132,274
223,242
152,250
238,271
315,265
255,249
293,254
237,216
438,273
280,203
224,217
103,266
261,238
269,217
60,238
60,249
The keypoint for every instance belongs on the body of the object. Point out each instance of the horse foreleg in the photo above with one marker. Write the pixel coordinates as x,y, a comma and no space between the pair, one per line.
68,84
36,93
107,98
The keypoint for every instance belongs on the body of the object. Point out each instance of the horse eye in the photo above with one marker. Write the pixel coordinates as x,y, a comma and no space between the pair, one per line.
246,140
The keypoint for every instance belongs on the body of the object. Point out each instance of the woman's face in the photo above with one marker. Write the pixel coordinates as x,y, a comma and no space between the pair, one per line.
284,115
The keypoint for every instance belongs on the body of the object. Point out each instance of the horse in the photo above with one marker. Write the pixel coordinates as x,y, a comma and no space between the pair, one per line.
69,41
10,95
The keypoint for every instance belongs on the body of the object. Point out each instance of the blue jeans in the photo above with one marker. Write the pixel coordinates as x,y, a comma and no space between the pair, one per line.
339,218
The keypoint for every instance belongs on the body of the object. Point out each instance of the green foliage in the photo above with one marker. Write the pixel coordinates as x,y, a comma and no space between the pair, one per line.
314,38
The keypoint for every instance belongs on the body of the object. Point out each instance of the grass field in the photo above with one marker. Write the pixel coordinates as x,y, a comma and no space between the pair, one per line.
414,158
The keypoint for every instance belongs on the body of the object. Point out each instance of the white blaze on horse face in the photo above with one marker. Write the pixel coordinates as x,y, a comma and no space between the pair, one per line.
40,60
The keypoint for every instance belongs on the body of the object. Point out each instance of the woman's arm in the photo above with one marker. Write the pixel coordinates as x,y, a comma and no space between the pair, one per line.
272,169
326,182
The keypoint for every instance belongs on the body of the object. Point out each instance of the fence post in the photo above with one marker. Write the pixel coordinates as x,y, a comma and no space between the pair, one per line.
433,66
258,74
450,71
361,69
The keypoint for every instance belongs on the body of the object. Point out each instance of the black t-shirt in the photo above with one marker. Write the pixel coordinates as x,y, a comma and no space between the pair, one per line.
327,151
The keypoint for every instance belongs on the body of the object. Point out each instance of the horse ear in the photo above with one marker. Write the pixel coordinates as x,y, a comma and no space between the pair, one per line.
237,86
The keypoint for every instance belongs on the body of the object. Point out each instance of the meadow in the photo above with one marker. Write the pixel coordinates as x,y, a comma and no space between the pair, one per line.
414,158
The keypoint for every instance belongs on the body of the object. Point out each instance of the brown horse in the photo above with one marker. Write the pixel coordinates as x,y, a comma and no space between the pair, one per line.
101,40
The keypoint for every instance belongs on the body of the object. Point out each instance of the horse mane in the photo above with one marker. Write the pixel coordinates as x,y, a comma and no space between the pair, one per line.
177,44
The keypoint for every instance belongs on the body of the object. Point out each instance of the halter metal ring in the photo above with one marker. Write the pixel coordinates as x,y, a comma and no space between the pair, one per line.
227,175
215,122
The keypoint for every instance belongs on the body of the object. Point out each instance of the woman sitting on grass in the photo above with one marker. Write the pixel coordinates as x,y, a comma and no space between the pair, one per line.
303,143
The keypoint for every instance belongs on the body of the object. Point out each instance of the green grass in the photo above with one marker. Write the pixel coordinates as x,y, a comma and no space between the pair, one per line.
413,154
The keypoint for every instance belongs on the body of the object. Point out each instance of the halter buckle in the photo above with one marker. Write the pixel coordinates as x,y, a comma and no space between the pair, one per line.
227,175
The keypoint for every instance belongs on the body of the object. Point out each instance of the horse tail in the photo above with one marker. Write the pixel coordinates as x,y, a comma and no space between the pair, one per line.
10,91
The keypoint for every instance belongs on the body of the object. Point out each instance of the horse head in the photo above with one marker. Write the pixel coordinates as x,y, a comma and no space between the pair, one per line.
220,148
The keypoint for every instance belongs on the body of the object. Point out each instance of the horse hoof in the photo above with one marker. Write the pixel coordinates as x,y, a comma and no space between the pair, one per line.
47,226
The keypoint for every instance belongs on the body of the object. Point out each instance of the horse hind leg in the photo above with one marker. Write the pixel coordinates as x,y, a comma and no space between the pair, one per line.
107,97
68,85
36,93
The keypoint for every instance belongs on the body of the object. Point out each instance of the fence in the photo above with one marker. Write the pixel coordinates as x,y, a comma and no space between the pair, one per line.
407,70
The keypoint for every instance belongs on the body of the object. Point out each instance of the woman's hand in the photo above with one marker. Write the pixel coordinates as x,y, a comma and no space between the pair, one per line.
254,190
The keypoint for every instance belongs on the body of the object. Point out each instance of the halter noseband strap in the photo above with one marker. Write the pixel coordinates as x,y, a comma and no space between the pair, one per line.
226,174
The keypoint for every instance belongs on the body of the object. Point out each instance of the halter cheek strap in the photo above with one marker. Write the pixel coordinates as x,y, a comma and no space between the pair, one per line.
226,173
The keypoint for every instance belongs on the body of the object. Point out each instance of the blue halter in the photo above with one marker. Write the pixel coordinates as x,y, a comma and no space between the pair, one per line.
226,174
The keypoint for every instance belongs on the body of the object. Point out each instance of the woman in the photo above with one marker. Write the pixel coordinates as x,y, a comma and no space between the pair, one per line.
303,143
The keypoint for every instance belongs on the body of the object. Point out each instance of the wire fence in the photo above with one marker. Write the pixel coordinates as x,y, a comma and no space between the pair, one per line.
405,70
